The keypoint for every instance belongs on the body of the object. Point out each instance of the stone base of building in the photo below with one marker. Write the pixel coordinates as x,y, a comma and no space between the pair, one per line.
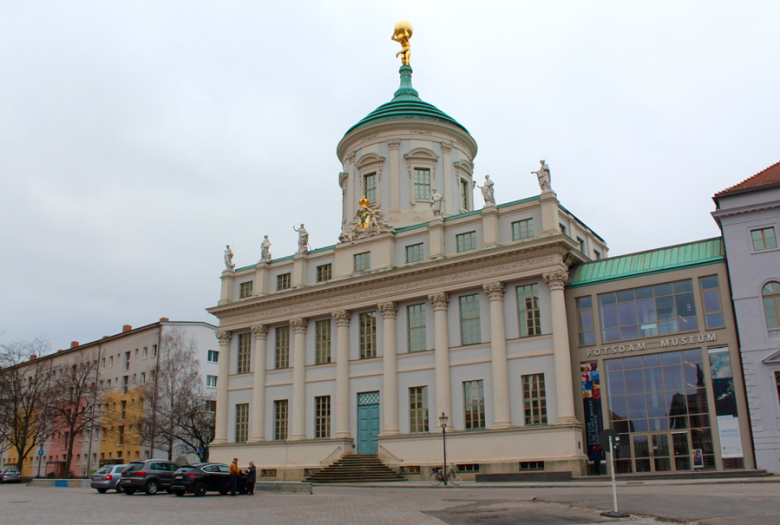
547,448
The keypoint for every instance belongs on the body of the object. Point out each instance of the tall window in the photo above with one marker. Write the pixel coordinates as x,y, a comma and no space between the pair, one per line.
370,187
464,194
597,254
322,417
145,352
416,315
242,422
470,332
585,320
534,399
282,347
581,242
418,409
771,296
211,381
764,239
367,335
474,403
127,361
466,241
244,353
522,229
121,438
563,228
713,310
777,381
422,183
415,252
283,281
362,261
323,341
213,356
652,310
280,419
246,289
124,384
528,310
324,272
154,350
122,409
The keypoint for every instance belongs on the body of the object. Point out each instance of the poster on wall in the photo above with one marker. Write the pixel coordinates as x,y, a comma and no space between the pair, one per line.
730,439
698,458
591,399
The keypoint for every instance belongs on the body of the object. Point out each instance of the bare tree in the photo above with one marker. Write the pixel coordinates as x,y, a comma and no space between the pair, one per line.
74,399
180,412
24,386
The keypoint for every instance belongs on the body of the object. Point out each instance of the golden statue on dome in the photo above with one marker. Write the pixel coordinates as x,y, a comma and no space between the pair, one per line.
401,34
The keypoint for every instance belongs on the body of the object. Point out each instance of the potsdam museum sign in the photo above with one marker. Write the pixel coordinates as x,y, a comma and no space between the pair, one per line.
661,343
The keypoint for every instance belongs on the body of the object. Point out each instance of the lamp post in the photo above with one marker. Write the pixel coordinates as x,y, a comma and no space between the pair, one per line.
443,420
40,459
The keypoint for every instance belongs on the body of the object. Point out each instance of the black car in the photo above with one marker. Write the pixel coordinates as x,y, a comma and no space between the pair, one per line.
205,477
150,476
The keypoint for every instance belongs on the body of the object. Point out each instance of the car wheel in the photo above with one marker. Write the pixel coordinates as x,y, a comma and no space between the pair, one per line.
102,491
119,489
200,489
129,492
151,487
179,493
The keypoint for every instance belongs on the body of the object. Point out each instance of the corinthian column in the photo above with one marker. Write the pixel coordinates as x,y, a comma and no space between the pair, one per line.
495,292
441,356
563,379
342,373
223,370
258,384
390,369
299,380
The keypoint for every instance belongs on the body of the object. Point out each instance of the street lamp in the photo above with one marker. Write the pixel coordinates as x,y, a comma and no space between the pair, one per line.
443,420
40,459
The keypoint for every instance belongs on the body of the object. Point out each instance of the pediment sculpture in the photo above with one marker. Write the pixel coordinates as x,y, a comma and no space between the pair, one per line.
368,222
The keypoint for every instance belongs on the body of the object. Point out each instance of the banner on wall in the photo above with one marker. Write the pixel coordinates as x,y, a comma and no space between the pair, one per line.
725,402
591,399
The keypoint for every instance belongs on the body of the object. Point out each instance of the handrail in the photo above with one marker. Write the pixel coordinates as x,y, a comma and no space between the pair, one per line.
388,453
327,460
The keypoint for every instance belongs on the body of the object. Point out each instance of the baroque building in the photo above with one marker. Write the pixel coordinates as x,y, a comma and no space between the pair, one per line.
427,305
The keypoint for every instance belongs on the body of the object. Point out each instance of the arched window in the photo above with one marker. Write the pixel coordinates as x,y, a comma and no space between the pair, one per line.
771,297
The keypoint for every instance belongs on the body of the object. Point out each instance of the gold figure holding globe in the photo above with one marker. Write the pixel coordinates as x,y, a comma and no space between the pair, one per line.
401,34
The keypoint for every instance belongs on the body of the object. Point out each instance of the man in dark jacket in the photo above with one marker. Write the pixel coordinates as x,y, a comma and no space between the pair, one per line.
251,478
233,476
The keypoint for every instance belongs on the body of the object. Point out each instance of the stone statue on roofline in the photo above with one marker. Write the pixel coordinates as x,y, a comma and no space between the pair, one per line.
303,239
487,192
437,199
229,258
266,247
543,174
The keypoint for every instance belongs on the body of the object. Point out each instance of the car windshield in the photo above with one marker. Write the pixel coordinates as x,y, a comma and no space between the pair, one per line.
103,470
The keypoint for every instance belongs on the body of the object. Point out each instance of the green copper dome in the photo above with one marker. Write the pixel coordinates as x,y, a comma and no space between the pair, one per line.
406,104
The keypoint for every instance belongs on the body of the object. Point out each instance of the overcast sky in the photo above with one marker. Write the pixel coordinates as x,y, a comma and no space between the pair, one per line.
138,138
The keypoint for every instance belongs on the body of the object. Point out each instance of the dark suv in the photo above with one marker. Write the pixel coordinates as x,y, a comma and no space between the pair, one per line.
150,476
203,477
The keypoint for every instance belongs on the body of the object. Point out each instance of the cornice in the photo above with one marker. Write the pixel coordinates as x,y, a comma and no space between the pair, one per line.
742,210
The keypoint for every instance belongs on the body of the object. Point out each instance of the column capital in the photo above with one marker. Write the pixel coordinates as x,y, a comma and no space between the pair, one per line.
260,330
299,325
495,290
341,317
439,300
388,309
224,336
556,280
446,147
394,143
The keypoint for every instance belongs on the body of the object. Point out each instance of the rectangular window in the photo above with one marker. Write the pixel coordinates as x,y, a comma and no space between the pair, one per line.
242,422
282,359
213,356
154,350
280,420
111,362
585,320
534,399
415,252
322,417
283,281
528,310
466,241
581,242
777,380
418,409
422,183
103,363
324,272
135,356
532,465
370,187
417,340
468,467
124,384
470,332
122,409
143,378
211,381
713,309
597,254
367,335
268,472
362,261
120,439
323,341
764,239
247,289
522,229
464,194
244,353
563,228
648,311
474,404
127,361
211,406
146,352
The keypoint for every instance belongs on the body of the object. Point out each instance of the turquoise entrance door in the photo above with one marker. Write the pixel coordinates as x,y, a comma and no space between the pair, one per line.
368,422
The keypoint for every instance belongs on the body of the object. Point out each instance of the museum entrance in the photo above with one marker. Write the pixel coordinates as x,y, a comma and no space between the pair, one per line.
655,452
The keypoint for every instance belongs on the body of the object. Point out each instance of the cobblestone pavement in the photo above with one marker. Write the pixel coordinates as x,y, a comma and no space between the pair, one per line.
21,505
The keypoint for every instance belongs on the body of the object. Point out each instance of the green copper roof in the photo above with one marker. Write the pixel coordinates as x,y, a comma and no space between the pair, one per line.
677,257
406,104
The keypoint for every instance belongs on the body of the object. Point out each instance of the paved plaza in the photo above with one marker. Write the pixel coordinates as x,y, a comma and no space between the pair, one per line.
704,504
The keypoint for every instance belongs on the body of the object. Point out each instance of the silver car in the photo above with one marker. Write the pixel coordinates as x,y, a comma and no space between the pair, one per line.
107,478
10,475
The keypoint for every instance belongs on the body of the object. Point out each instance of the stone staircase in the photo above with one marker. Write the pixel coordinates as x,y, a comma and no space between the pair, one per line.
356,468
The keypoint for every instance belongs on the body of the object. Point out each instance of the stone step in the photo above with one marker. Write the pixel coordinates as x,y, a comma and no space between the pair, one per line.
356,468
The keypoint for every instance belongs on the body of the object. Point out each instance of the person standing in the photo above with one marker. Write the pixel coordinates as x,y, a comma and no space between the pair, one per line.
251,478
233,476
